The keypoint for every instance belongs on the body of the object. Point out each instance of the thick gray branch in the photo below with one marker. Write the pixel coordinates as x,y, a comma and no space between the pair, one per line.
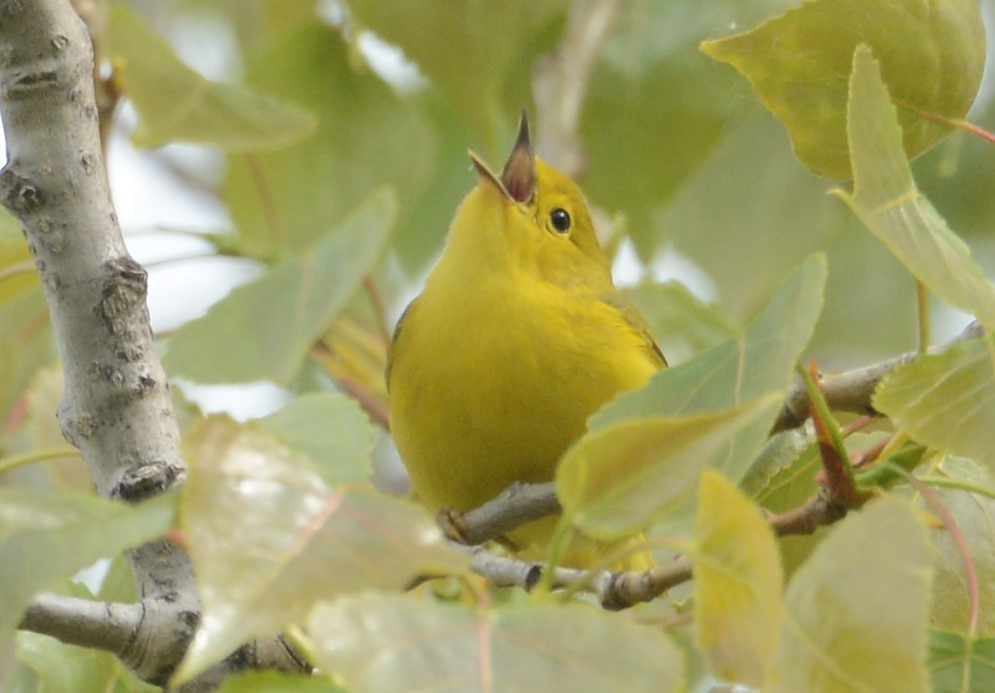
103,625
116,406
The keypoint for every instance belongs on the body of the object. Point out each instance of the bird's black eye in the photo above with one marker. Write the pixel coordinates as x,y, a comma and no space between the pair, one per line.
560,219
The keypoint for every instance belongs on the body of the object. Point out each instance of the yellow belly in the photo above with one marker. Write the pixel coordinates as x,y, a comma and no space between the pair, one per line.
478,402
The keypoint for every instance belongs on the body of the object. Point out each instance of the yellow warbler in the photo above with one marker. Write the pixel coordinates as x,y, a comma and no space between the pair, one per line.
517,339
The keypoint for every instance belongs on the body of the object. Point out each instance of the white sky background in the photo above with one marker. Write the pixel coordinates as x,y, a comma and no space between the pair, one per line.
150,194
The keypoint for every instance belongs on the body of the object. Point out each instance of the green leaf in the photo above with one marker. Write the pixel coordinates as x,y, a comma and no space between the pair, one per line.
177,104
331,429
857,610
620,479
890,205
283,201
682,324
933,52
961,665
297,298
737,584
268,537
46,537
269,681
634,159
384,643
10,226
757,364
946,400
974,514
479,55
26,338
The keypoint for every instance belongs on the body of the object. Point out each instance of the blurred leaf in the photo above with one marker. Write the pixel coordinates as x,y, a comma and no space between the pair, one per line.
961,665
682,324
975,516
26,338
632,112
177,104
10,226
273,681
737,584
749,215
284,201
946,400
332,430
308,540
745,369
383,643
619,479
297,298
42,399
886,199
933,54
857,610
62,668
45,537
479,55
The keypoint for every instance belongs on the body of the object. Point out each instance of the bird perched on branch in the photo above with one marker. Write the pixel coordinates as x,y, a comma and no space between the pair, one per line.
519,336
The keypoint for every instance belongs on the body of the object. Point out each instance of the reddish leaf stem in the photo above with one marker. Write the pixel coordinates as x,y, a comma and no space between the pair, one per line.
950,523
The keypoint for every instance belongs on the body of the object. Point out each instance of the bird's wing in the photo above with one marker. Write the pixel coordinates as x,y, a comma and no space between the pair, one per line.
393,342
637,322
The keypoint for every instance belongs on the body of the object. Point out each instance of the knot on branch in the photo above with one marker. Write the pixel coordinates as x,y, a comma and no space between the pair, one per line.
145,480
18,194
123,294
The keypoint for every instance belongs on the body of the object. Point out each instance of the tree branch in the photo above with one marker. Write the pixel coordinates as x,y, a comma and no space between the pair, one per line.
116,407
619,590
852,391
103,625
561,81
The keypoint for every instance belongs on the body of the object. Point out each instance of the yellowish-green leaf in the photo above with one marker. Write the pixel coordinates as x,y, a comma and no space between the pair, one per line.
45,537
620,479
961,665
296,298
857,610
946,400
886,199
271,681
394,643
10,227
758,363
26,338
933,52
737,584
974,514
177,104
269,537
332,430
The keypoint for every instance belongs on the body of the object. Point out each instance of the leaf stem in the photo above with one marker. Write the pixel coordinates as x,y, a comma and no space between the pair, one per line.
958,123
974,593
15,461
922,313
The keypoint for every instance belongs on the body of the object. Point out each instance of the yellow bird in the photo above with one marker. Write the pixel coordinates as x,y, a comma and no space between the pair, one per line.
517,339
